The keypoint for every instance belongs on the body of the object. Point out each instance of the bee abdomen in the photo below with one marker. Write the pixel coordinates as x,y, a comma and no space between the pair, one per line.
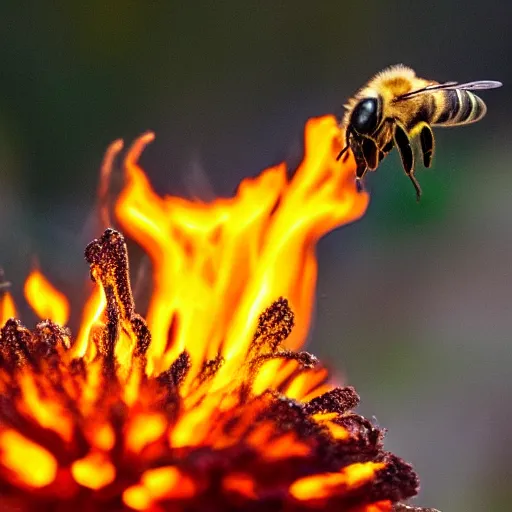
456,106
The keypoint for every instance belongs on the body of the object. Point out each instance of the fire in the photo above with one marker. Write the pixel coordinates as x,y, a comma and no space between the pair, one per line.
7,307
206,400
321,486
16,450
218,265
45,300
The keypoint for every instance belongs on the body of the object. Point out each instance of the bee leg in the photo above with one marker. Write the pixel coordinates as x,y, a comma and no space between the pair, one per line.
383,152
416,185
427,144
370,153
360,172
403,144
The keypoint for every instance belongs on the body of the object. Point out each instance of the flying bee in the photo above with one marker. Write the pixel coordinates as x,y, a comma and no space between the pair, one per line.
396,106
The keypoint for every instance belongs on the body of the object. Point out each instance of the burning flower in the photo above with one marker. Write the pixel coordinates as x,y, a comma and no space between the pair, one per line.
204,403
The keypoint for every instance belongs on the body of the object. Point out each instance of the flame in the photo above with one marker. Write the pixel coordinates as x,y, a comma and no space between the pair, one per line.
321,486
91,316
217,265
7,307
205,399
93,471
45,300
17,451
164,482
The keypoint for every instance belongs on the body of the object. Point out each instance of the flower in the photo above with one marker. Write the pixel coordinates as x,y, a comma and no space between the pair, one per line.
205,403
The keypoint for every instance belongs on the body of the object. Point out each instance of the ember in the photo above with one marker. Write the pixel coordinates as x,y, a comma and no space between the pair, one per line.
205,403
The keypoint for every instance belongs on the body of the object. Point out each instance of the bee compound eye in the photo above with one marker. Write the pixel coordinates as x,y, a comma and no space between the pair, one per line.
365,116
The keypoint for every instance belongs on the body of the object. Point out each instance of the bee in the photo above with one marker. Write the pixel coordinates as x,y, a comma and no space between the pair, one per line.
396,106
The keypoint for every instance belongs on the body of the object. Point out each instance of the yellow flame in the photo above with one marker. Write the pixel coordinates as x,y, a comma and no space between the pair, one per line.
324,485
144,429
49,413
217,265
45,300
7,307
93,471
168,481
30,462
137,497
102,436
92,313
163,482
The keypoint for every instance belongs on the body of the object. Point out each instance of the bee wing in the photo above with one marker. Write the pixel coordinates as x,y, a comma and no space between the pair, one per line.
479,85
468,86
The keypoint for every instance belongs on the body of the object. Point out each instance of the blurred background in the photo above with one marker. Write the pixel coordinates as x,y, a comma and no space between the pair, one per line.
414,301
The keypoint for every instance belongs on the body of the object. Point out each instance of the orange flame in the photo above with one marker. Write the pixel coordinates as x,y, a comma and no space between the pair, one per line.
93,471
200,398
45,300
18,450
216,266
164,482
7,307
321,486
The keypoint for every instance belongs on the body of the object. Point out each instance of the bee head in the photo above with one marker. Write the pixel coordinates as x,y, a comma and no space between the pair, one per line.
366,116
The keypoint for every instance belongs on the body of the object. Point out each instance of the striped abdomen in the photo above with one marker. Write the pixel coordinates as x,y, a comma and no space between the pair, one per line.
457,106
